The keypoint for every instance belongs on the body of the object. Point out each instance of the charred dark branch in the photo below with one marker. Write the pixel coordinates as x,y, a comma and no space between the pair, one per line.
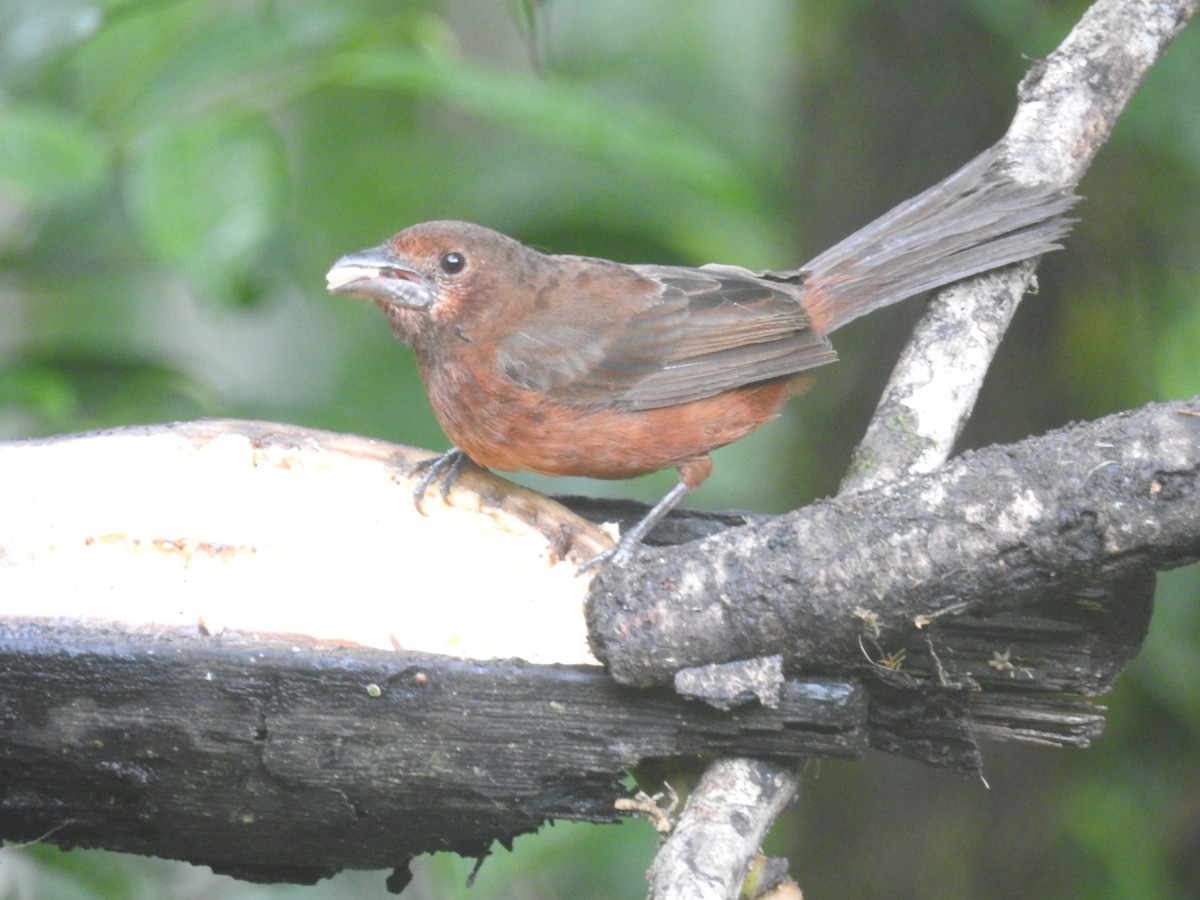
280,762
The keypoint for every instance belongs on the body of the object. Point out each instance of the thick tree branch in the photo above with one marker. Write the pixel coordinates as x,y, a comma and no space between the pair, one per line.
155,724
284,756
1067,513
1069,104
985,532
276,761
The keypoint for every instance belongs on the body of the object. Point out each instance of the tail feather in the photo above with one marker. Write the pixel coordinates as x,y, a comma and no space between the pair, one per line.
977,219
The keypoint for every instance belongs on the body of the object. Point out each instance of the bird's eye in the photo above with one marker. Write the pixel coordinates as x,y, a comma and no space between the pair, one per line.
453,262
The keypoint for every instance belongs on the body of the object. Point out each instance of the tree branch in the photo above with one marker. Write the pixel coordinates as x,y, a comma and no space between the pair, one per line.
1068,106
1060,515
1069,103
277,761
921,657
725,819
284,755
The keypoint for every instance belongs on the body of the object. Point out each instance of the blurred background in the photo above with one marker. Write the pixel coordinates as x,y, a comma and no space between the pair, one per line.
176,176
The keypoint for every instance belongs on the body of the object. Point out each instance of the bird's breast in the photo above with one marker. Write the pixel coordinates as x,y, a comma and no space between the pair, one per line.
504,426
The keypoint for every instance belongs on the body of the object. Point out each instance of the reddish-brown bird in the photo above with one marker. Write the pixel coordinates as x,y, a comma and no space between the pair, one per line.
567,365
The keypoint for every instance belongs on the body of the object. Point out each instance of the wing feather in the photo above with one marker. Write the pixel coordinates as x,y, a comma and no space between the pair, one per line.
703,331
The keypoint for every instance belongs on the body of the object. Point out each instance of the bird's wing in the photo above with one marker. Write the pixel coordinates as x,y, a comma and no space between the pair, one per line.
688,334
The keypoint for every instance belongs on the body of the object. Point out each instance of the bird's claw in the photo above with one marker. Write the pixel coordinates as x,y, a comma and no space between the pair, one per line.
617,555
598,559
632,539
446,466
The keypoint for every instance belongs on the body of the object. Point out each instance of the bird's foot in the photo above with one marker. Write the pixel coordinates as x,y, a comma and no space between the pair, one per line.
618,554
447,467
632,539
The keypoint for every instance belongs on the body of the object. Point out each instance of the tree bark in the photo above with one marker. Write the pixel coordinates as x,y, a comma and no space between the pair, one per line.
291,760
276,761
1064,516
281,762
1068,106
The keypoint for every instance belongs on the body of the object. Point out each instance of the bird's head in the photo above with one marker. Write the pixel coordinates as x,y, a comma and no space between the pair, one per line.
436,276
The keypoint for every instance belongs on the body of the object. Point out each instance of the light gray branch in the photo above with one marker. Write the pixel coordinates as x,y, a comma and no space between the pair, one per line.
1068,106
725,819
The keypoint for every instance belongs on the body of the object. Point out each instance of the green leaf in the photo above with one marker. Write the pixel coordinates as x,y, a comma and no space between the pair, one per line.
47,153
622,133
205,193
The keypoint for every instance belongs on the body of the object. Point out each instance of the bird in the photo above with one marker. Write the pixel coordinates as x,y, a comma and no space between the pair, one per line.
573,365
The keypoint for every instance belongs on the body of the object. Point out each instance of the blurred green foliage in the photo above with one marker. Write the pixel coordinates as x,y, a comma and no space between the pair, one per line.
177,175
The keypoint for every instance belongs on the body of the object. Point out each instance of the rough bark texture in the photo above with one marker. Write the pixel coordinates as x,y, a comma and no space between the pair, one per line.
1068,106
723,821
279,762
1062,516
282,764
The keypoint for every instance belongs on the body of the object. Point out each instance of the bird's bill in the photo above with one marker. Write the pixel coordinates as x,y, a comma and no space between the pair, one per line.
375,275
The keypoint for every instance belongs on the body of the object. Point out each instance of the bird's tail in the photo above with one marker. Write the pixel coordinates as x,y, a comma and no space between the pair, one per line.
977,219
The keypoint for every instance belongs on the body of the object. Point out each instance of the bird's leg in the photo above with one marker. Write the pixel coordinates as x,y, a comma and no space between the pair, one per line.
691,474
446,466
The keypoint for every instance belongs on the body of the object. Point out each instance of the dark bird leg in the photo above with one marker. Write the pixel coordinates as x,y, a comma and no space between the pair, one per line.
691,474
447,466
